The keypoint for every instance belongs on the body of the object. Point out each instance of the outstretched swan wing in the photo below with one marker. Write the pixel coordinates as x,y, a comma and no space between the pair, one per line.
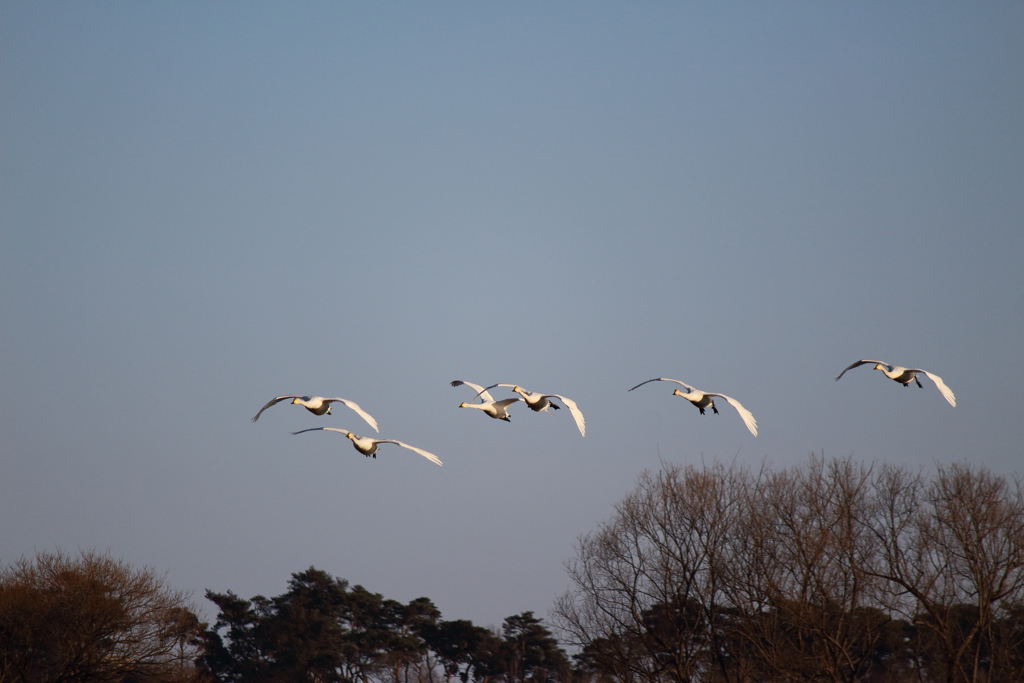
483,392
943,389
480,391
862,362
323,429
352,405
665,379
429,456
748,417
574,411
272,403
506,402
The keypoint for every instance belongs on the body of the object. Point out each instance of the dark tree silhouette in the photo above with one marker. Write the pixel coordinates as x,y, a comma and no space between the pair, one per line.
457,645
92,618
297,636
321,630
530,652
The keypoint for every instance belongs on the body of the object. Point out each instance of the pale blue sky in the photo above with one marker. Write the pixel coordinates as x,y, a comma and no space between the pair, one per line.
204,205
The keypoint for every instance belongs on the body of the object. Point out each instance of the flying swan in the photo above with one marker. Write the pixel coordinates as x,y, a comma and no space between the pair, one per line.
703,399
496,409
368,446
318,405
539,403
905,375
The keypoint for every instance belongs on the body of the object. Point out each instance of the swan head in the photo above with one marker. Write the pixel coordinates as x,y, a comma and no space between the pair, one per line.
878,366
294,401
462,405
676,392
351,436
516,389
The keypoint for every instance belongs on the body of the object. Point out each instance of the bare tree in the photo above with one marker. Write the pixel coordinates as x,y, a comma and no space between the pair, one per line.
646,598
978,531
799,574
830,572
92,618
953,550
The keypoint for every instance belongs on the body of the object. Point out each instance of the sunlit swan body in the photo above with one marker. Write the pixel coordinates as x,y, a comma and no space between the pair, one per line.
539,403
703,399
318,405
368,446
905,376
496,409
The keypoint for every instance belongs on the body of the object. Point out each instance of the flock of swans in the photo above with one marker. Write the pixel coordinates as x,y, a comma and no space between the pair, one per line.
541,403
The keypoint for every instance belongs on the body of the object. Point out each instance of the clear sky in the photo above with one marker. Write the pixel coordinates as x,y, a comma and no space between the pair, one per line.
205,205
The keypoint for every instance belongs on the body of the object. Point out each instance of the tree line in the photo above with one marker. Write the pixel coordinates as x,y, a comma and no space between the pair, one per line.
324,630
830,571
92,618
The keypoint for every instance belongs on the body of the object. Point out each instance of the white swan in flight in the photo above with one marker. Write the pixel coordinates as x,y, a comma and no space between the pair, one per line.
905,376
318,405
539,403
703,399
496,409
368,446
